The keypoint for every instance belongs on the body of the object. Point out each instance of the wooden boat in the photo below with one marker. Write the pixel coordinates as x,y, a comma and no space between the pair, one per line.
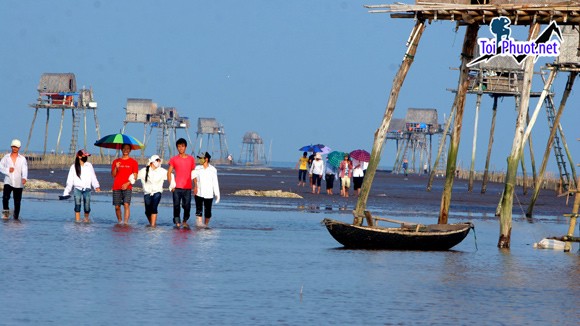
404,237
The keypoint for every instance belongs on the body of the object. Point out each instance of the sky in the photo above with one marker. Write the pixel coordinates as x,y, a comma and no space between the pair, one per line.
296,72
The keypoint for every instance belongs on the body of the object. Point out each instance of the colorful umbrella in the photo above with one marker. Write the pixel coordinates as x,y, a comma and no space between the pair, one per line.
360,155
335,157
116,141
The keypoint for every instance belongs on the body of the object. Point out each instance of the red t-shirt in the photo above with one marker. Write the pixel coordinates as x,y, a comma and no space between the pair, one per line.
126,168
183,167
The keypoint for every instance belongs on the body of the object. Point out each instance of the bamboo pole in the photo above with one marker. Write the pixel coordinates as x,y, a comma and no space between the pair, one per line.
524,173
489,146
379,140
550,143
573,217
85,128
474,143
97,128
46,131
513,159
466,56
30,131
440,150
59,131
532,161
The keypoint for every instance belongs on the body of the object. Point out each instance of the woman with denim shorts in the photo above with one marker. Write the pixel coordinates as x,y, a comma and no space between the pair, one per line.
151,177
81,177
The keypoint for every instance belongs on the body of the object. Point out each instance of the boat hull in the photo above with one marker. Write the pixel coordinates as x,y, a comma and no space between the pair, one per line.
430,237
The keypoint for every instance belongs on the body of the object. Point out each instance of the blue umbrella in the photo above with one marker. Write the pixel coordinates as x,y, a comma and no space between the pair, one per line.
318,148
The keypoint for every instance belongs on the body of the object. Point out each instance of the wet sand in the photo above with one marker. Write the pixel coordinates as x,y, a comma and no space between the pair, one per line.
388,190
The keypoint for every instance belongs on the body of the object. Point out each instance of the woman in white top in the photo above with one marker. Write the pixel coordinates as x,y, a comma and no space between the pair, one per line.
81,177
317,170
151,177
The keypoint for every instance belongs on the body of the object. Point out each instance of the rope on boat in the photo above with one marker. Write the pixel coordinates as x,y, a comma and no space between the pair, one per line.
474,235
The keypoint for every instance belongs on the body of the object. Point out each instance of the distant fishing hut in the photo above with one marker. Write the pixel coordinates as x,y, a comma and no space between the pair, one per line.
211,129
58,92
165,119
253,152
416,134
471,14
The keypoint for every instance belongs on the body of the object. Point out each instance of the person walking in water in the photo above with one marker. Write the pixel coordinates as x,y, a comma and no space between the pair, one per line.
152,177
121,169
15,169
183,164
317,170
405,166
345,173
207,187
302,166
81,177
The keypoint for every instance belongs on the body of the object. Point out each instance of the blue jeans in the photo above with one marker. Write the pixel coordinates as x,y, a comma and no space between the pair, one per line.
151,203
85,196
183,197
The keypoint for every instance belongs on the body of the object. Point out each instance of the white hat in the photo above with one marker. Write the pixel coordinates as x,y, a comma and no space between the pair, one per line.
154,158
15,143
318,155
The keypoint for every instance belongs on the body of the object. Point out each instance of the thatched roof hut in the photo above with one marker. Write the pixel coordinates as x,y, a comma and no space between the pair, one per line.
422,120
252,137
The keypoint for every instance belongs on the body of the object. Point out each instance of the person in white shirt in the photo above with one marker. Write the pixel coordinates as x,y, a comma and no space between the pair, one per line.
152,177
317,170
81,177
206,180
15,170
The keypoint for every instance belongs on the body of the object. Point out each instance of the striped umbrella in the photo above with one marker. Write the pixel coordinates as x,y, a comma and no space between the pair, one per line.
116,141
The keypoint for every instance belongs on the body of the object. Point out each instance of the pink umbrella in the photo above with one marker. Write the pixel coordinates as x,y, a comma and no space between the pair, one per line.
360,155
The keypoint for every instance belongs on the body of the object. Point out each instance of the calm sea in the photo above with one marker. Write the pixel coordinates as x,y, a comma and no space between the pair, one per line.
262,265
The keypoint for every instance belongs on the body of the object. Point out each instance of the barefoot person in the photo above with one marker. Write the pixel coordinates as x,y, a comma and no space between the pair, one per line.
183,164
81,177
345,173
207,186
15,170
152,177
121,169
302,167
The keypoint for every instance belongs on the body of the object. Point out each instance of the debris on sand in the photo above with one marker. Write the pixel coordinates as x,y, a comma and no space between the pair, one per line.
266,193
34,184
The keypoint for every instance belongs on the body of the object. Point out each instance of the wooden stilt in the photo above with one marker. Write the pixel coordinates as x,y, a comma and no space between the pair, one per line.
474,144
85,127
532,161
550,142
466,57
573,218
440,150
30,131
59,131
381,132
513,159
524,173
97,129
46,131
489,146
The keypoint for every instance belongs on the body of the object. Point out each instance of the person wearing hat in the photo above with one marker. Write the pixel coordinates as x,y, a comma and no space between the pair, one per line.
81,177
15,169
317,170
207,187
152,177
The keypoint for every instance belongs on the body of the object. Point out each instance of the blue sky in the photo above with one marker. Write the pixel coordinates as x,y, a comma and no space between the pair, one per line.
296,72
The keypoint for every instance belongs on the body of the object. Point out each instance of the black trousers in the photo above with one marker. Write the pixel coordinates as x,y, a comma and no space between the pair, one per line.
8,189
200,204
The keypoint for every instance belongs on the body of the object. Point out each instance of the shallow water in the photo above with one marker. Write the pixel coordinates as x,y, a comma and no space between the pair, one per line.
272,264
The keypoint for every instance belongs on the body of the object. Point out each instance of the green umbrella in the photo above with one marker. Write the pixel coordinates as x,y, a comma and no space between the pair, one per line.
335,157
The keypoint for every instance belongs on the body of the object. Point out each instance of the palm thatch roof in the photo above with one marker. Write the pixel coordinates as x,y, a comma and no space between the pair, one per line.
57,83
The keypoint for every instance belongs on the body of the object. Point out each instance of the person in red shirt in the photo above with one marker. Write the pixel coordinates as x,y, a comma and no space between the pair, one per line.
183,164
121,169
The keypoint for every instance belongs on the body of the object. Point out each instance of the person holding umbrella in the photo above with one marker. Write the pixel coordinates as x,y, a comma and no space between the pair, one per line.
121,169
345,173
81,177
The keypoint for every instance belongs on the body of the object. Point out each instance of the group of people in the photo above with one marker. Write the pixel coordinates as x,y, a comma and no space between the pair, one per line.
183,178
317,170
